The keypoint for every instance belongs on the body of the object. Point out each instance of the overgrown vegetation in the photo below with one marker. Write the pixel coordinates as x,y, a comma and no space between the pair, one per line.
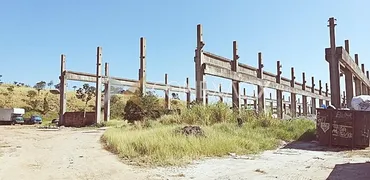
155,141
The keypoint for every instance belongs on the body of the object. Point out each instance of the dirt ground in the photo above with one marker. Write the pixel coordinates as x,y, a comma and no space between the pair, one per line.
30,153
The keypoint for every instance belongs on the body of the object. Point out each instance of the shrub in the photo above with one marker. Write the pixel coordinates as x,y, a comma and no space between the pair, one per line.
139,107
117,107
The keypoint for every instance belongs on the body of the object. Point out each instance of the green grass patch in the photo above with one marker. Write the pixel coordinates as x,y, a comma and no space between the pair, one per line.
156,142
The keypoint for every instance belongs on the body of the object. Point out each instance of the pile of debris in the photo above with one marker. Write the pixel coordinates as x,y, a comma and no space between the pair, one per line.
191,131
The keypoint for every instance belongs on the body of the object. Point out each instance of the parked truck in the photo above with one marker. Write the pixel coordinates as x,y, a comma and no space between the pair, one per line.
11,115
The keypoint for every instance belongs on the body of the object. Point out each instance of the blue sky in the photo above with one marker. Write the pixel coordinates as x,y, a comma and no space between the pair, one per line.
35,33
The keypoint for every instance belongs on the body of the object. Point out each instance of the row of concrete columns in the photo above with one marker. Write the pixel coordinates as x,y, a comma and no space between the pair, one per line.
353,85
201,82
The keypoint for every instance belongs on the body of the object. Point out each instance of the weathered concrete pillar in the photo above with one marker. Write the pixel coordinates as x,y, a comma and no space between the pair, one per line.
299,108
320,93
235,84
358,89
220,90
255,100
62,90
363,86
348,79
98,85
260,89
107,94
271,104
344,99
293,103
304,98
279,93
200,86
368,88
327,93
142,72
167,93
334,67
313,99
245,98
188,93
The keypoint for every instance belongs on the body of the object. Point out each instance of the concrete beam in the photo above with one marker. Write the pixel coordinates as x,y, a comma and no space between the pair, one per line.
226,73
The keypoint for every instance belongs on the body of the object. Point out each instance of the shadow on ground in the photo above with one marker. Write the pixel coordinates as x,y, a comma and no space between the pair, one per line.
308,141
358,171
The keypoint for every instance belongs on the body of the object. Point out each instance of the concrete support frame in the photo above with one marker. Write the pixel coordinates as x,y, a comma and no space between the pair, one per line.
199,75
279,93
167,93
326,93
368,88
363,86
313,99
142,70
188,93
260,89
320,93
245,99
304,98
293,102
358,84
98,85
348,79
220,90
334,67
62,89
235,84
107,94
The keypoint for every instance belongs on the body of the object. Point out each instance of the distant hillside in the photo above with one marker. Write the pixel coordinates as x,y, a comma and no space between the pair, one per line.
43,102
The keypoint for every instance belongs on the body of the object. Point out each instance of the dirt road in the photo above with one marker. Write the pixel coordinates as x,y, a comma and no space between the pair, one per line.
29,153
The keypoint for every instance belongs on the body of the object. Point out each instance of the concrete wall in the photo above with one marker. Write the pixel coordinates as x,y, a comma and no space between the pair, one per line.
77,119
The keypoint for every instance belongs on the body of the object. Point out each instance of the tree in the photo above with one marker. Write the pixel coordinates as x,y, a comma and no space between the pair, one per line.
1,82
40,86
86,93
74,88
51,83
32,102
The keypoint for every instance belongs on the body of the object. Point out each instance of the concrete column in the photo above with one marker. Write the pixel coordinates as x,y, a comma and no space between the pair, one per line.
313,99
358,85
200,87
304,98
107,94
293,103
142,72
167,93
62,90
363,86
334,67
279,93
271,104
320,93
260,89
348,79
327,93
188,93
245,98
98,85
368,88
235,84
255,100
220,90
